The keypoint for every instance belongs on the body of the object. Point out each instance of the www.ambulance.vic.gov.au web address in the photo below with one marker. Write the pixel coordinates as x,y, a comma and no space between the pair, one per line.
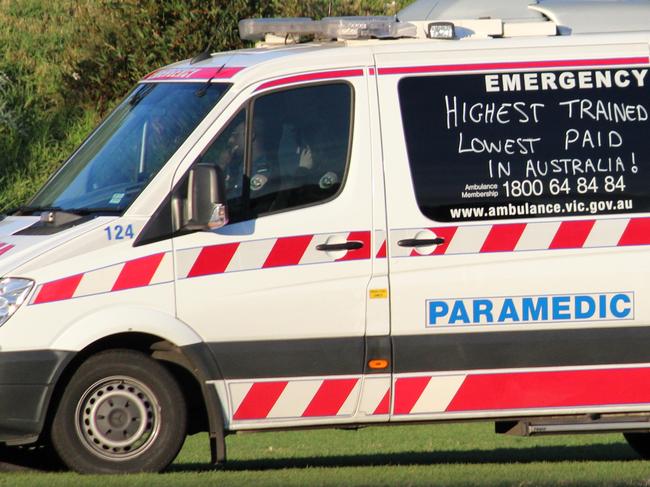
541,209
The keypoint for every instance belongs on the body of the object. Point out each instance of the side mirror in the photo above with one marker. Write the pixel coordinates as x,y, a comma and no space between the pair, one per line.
206,199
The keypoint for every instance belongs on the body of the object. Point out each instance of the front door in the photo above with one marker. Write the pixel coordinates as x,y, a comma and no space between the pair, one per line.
279,293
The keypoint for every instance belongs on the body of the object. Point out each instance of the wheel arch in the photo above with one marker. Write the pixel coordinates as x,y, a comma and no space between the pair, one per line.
116,320
190,361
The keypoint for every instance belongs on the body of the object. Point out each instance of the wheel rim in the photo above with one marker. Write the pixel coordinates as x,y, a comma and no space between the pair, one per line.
118,418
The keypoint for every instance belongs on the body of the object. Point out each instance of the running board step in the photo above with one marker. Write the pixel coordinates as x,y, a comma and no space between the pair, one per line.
572,425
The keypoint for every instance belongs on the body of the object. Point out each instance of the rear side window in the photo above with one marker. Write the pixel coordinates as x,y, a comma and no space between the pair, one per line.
285,150
526,145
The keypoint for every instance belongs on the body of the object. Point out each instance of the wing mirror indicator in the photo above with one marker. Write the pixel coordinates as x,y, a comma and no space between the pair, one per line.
219,216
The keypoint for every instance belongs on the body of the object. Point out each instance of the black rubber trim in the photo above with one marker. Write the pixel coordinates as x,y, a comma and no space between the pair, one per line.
26,383
159,226
432,352
290,358
32,367
205,368
518,349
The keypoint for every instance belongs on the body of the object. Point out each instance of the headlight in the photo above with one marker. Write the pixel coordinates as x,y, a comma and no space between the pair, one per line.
12,294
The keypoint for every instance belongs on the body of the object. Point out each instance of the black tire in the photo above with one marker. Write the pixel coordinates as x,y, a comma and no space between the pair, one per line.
640,443
98,425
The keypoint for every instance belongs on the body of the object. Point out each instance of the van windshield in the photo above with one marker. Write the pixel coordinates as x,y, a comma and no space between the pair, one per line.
128,149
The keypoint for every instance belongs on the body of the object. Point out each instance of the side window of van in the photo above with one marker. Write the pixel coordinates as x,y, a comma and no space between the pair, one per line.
528,145
228,152
285,150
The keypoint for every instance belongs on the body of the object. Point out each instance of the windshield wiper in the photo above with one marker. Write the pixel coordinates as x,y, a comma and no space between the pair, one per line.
59,209
93,211
140,94
204,89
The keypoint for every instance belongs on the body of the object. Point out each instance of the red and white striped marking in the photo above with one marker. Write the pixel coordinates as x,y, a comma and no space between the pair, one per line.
310,398
204,261
5,247
269,253
520,237
425,394
375,398
145,271
295,399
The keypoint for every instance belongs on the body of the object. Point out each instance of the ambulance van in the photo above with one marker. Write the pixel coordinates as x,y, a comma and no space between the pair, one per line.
439,216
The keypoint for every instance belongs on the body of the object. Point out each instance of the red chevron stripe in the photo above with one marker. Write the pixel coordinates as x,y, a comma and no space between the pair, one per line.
287,251
572,234
637,232
213,260
138,273
503,238
330,397
58,290
407,392
384,406
259,400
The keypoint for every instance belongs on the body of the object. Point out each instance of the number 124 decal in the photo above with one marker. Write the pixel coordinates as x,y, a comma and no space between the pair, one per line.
119,232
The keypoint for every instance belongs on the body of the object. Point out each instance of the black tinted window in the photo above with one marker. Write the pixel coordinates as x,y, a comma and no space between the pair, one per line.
285,150
521,145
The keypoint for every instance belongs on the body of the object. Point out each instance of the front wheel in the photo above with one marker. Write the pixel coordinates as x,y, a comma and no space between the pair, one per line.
122,412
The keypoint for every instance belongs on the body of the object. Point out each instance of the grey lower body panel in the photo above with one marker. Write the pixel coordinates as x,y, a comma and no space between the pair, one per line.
287,358
27,380
434,352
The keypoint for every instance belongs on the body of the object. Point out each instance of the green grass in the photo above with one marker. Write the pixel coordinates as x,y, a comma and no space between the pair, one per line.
445,455
65,63
40,124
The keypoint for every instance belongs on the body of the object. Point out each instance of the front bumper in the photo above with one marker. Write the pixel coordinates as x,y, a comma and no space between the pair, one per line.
27,380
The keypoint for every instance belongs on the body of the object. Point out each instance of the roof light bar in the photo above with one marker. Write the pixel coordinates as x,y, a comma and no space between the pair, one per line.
350,28
346,28
256,29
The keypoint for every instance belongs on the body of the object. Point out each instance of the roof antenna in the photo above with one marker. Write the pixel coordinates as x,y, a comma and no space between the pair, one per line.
203,55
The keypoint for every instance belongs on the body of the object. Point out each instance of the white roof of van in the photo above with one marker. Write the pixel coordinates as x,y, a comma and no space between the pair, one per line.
571,16
469,9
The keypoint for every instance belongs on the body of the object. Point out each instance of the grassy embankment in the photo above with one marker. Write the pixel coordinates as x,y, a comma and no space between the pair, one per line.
39,123
64,63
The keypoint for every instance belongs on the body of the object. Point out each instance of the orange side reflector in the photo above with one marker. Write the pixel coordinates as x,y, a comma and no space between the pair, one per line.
378,364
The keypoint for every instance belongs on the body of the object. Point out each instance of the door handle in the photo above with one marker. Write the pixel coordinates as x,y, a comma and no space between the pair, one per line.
351,245
420,242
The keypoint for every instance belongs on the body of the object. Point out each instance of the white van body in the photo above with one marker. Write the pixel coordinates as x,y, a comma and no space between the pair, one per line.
479,254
